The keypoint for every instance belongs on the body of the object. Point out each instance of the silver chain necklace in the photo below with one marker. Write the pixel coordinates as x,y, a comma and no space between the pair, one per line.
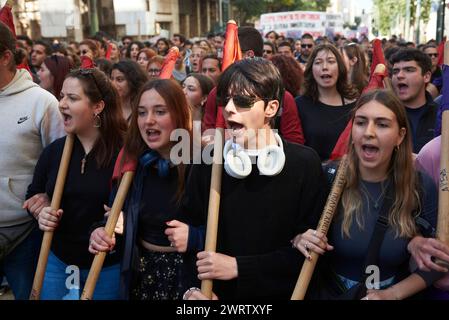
376,203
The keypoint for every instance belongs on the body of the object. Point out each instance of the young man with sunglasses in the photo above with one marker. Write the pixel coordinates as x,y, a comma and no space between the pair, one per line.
307,45
30,121
269,49
270,190
436,81
288,122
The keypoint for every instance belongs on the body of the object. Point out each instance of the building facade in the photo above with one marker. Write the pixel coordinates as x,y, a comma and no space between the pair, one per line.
73,19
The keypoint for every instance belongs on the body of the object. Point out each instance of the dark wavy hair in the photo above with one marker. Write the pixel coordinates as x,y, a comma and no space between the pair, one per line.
97,87
134,74
128,49
310,85
291,73
412,54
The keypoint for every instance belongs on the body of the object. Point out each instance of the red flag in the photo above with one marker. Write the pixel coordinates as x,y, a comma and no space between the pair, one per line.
376,82
87,63
123,165
7,18
231,50
24,65
231,54
441,51
378,56
108,52
169,63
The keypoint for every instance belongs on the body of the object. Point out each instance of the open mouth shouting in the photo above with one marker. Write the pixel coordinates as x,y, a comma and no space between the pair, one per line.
153,135
237,128
402,88
67,118
369,151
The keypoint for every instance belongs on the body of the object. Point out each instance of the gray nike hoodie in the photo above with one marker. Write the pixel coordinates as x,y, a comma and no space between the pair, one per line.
29,121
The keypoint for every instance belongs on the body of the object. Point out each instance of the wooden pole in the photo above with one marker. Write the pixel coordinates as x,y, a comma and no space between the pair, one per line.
214,204
97,264
323,226
55,204
443,196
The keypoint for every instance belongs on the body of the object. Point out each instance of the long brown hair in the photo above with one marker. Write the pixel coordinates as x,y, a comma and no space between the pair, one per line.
97,87
310,84
360,72
59,67
401,172
179,110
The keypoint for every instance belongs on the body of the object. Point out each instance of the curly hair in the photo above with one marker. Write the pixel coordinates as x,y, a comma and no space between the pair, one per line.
134,74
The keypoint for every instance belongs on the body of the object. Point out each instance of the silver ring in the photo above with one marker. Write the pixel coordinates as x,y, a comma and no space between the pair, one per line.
314,233
185,297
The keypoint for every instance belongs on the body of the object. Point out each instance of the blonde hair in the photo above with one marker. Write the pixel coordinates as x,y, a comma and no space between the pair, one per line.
401,172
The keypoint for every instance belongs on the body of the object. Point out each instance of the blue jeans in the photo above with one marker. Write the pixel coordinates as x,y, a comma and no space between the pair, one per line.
19,266
61,281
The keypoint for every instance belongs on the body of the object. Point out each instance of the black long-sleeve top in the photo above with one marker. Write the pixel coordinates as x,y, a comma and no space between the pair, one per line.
322,124
259,215
82,200
150,203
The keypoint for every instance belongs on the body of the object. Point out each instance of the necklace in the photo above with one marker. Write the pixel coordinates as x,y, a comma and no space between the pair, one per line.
377,202
83,163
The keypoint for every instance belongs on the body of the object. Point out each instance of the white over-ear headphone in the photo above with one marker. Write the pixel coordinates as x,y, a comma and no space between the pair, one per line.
270,160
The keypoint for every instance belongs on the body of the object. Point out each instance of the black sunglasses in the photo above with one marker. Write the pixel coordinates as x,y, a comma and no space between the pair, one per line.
267,51
434,55
241,101
154,71
306,46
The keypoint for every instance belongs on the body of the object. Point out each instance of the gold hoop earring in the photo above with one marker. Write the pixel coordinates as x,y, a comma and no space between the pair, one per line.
97,121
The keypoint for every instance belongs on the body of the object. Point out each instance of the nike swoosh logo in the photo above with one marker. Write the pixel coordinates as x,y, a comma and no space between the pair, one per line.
22,119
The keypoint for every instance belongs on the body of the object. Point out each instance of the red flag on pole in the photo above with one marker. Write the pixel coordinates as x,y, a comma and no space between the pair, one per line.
231,54
169,63
231,50
123,165
7,18
441,51
378,56
108,52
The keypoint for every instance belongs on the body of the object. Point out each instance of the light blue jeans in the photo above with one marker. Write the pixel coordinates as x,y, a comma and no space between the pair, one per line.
61,281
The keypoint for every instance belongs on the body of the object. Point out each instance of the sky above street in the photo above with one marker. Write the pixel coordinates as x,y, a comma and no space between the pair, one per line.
366,4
